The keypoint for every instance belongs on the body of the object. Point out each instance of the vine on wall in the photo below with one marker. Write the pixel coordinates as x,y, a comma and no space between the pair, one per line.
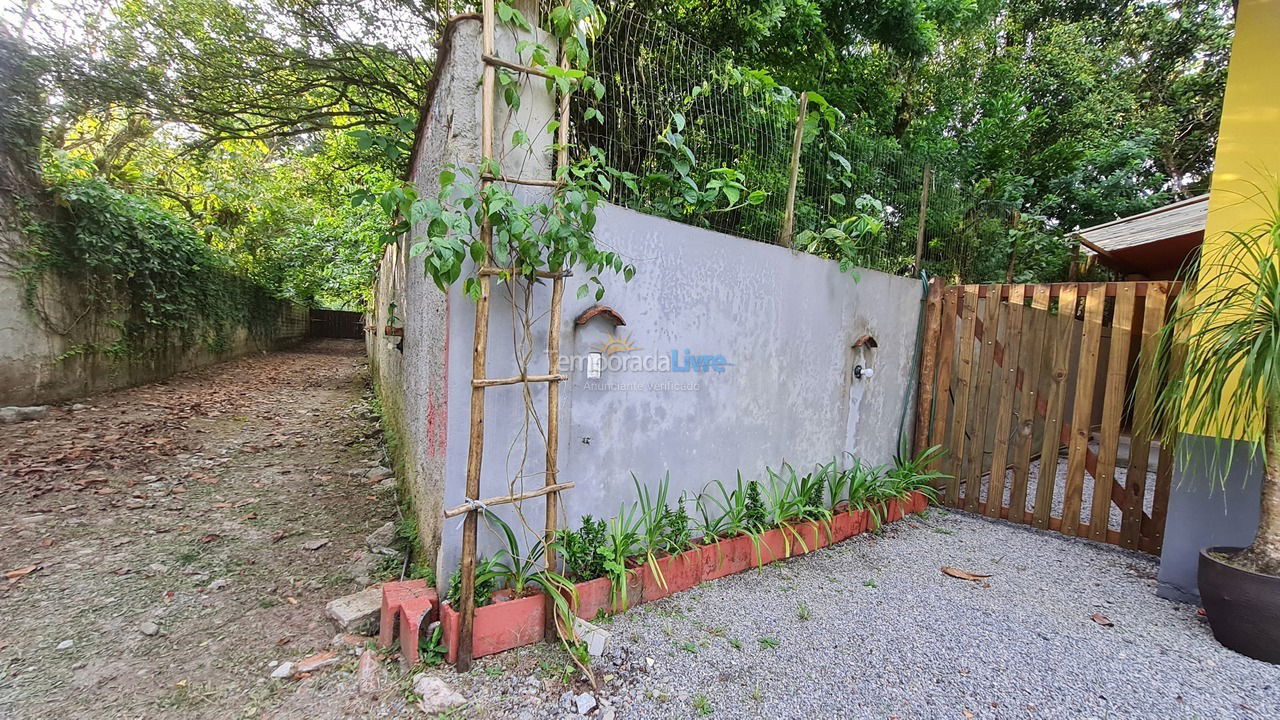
137,268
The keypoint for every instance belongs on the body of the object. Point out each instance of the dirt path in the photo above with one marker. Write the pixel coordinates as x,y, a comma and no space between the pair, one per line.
170,525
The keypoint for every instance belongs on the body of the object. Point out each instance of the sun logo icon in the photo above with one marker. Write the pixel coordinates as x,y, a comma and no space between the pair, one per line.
615,344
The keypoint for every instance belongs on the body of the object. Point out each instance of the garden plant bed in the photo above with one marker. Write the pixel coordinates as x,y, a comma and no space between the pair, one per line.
508,624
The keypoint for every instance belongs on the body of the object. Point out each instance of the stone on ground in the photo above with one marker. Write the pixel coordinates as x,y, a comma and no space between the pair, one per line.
318,661
586,702
437,697
315,544
149,628
379,473
16,414
283,671
595,637
383,537
367,673
357,612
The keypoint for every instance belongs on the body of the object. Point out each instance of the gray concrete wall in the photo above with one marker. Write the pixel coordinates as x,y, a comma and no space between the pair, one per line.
784,321
1203,513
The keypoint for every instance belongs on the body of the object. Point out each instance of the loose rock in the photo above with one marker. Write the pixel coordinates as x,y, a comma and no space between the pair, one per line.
283,670
315,544
383,537
585,702
66,644
437,697
367,674
149,629
357,612
318,661
379,473
16,414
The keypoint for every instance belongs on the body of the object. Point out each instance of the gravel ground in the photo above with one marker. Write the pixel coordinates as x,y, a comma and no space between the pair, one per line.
872,628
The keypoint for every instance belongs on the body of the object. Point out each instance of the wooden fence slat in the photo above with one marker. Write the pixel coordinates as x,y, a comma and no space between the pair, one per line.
944,389
1060,334
1135,483
1011,335
1112,410
1082,411
980,419
964,387
1164,473
1160,503
1030,361
928,365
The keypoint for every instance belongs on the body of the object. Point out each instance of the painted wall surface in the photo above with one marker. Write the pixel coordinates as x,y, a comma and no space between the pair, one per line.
784,324
1202,514
1247,159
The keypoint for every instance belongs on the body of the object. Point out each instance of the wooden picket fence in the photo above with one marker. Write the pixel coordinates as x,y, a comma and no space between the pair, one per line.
1041,396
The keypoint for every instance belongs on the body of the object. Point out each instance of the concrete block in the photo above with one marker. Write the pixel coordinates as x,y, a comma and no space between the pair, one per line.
358,612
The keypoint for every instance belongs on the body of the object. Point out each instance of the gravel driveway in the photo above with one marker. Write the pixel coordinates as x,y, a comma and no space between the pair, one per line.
871,628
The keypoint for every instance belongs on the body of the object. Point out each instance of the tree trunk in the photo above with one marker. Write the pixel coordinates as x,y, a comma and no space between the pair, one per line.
1264,554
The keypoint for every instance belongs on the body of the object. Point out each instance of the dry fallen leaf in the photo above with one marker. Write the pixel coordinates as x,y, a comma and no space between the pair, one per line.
1101,620
13,575
211,537
962,574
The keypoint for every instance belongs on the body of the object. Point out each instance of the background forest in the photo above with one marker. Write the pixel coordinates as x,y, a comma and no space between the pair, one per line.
247,126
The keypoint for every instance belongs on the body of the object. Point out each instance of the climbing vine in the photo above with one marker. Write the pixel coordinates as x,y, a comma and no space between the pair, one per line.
138,268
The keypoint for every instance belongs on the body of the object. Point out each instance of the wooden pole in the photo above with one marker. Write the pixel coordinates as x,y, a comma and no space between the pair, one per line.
787,236
928,364
924,214
553,366
475,448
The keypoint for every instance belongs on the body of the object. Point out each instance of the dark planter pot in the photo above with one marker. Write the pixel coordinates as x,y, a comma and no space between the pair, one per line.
1243,607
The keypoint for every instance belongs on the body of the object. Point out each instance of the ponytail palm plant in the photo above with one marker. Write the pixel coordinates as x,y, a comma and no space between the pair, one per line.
1221,352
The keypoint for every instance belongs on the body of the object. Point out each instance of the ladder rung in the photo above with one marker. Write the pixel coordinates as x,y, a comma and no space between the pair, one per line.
521,181
505,499
490,382
540,273
515,67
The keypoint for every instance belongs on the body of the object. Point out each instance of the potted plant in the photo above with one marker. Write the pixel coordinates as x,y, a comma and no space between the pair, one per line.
392,329
730,528
850,490
1227,386
669,562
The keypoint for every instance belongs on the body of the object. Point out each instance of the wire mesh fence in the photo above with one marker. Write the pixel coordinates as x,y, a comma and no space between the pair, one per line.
674,108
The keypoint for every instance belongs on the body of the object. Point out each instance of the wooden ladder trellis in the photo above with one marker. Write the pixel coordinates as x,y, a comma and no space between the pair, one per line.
479,378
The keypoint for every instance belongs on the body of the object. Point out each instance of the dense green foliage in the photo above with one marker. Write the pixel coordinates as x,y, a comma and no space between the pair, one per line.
235,116
134,260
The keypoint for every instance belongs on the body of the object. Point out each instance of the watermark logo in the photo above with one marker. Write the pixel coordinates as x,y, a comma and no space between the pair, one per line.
621,353
615,343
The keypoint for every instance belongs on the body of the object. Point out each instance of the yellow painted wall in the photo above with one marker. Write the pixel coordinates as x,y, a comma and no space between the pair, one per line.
1247,162
1249,137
